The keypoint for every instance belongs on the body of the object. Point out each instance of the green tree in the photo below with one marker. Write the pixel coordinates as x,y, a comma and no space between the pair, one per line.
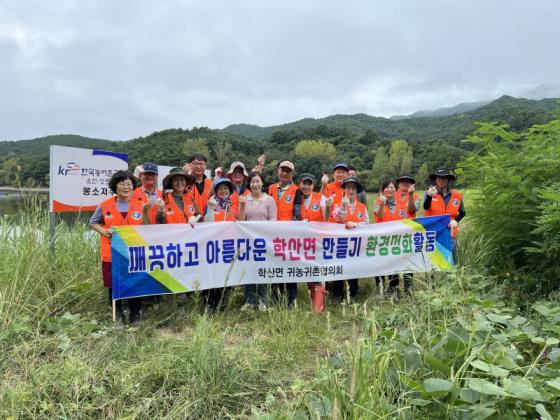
400,158
196,145
10,171
314,156
315,149
516,206
379,170
422,176
222,151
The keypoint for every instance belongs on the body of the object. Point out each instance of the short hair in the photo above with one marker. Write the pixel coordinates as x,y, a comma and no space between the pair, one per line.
351,168
121,176
253,175
197,156
387,182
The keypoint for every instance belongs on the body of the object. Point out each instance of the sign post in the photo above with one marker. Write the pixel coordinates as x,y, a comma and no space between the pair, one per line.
79,181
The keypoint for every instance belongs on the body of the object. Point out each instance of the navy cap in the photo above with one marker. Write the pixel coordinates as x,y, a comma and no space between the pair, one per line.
341,165
150,167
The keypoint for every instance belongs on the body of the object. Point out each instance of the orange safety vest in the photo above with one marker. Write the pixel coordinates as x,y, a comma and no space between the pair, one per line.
201,199
335,189
141,197
357,216
404,197
175,214
400,211
222,216
313,213
235,197
112,217
285,206
438,207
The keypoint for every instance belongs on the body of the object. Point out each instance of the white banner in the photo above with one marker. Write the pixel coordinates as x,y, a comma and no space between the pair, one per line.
160,259
79,178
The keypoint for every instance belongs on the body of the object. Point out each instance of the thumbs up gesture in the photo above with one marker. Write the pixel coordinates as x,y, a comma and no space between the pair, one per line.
212,202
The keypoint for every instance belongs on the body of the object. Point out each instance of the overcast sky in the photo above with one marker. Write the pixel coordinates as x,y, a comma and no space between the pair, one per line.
122,69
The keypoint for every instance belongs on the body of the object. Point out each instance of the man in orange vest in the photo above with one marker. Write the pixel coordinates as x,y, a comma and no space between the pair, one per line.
148,194
440,199
203,185
284,194
334,189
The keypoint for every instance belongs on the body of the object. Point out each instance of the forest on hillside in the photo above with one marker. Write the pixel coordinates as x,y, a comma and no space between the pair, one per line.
377,147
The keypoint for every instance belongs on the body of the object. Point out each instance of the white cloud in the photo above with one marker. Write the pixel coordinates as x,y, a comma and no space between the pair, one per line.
123,69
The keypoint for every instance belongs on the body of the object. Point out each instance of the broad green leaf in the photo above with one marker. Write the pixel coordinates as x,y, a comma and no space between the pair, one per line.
481,412
552,341
522,389
485,387
542,411
554,383
419,402
480,365
500,319
469,395
490,369
437,364
437,386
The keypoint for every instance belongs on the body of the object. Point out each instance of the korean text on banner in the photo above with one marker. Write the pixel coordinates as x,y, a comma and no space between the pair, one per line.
79,178
162,259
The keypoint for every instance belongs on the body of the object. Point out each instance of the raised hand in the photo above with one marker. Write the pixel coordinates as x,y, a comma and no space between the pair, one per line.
432,191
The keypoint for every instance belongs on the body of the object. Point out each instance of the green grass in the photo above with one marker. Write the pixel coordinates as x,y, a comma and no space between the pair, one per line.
432,355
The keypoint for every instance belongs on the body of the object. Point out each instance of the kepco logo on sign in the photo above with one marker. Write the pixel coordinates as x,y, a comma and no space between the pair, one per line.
71,168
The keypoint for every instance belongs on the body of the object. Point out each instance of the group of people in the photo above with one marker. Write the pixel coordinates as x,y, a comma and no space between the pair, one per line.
189,196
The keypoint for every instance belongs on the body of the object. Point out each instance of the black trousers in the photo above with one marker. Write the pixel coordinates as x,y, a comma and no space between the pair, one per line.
337,288
281,291
134,306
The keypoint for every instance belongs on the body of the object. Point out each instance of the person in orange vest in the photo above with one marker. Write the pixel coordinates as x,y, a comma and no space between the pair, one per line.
407,193
238,175
203,185
313,209
284,194
148,193
440,199
389,207
178,206
256,206
334,189
121,209
350,212
219,209
362,198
